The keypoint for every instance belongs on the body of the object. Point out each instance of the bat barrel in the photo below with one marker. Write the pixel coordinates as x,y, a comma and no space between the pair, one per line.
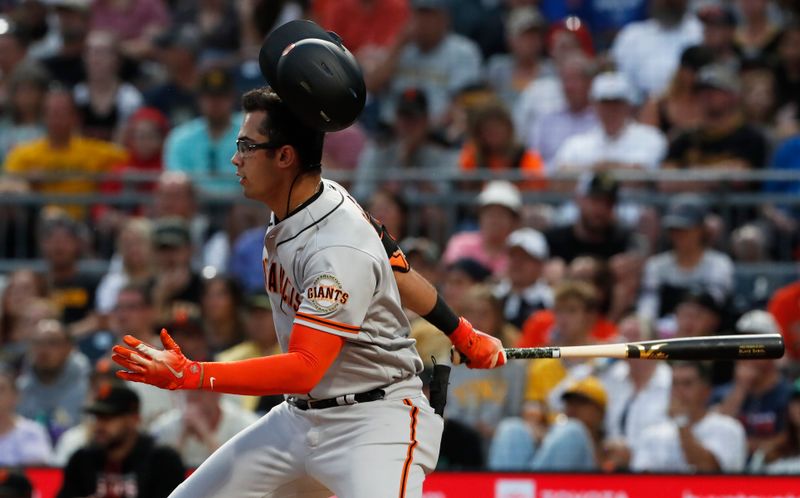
732,347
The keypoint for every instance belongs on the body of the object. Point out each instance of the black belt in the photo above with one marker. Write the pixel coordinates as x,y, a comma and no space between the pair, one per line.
347,399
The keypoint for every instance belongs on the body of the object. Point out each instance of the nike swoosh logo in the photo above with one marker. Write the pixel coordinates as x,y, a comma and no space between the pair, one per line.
211,380
177,374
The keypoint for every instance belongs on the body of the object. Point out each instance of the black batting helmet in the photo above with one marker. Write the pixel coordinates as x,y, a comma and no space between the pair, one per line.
314,74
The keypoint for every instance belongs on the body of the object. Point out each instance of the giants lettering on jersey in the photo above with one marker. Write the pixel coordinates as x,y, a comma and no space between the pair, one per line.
276,275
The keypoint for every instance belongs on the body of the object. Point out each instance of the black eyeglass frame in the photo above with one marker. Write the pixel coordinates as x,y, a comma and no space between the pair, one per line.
246,147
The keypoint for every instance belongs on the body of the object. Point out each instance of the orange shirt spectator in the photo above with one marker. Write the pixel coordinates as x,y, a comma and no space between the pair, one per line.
785,307
537,330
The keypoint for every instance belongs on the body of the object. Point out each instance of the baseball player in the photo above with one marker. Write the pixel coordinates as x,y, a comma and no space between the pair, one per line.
355,422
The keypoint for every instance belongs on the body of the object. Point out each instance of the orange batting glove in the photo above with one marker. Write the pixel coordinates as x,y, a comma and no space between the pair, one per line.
477,349
167,368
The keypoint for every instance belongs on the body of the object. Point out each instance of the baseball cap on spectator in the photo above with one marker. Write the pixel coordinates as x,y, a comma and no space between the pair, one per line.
501,193
757,322
717,15
171,232
685,211
696,57
717,77
14,484
258,300
420,246
114,399
412,102
431,4
472,268
531,241
216,81
187,38
523,19
612,86
704,298
588,388
598,184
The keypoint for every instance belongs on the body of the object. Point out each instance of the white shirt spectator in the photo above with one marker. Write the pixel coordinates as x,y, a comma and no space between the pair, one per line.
25,444
637,144
551,130
168,430
639,410
542,96
648,54
659,448
452,65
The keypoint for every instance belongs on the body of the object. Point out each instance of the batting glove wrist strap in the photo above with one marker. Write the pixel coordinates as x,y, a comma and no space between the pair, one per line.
166,368
480,350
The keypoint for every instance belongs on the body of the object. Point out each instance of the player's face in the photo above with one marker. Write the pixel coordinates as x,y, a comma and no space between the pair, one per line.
110,431
255,168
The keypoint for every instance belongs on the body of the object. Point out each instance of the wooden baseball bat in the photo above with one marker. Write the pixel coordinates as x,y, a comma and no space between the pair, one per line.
721,347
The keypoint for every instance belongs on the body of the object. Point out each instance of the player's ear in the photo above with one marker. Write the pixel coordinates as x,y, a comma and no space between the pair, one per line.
287,156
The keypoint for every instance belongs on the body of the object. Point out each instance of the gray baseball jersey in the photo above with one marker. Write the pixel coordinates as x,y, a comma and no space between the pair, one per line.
325,268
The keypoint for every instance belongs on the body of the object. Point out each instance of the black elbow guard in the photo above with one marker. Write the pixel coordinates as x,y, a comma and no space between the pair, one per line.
396,257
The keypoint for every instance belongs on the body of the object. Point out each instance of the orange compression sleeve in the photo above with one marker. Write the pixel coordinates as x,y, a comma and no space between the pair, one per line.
311,353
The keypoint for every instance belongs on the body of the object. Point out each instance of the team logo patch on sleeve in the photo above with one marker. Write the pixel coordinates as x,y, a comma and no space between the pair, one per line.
326,294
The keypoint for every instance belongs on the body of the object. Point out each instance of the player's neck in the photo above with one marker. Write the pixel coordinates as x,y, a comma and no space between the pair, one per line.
305,186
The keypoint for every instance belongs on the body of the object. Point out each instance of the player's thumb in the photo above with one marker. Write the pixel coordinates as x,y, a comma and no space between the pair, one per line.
169,343
501,358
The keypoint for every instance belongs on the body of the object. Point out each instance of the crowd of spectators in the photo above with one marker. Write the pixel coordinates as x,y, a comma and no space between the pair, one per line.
119,119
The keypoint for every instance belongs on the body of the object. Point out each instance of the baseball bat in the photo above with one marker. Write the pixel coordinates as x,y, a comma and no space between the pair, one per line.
721,347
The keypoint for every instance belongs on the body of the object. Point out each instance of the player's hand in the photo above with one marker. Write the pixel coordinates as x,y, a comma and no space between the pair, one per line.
167,368
476,349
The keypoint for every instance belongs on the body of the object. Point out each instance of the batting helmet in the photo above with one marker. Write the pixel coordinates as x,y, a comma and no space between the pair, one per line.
314,74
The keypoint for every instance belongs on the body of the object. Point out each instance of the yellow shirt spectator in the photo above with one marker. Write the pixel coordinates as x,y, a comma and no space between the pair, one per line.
37,159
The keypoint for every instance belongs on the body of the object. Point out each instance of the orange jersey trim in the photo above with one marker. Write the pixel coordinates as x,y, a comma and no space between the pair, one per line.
411,447
343,327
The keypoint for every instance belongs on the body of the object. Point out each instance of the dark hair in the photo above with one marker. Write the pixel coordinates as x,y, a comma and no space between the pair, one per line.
142,290
232,287
703,369
283,127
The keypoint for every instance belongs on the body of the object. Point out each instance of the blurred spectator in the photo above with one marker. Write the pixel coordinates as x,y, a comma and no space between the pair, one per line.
787,70
66,63
13,50
617,142
499,207
367,27
696,439
492,146
22,119
690,263
757,35
638,395
23,442
596,231
719,34
679,109
647,52
246,254
453,131
134,264
262,340
697,314
200,426
176,284
63,243
221,307
573,444
509,74
120,460
481,398
63,150
22,288
177,51
549,130
175,196
205,145
15,484
759,103
723,139
54,379
410,147
35,310
423,256
136,22
569,36
523,290
241,216
760,392
784,456
342,149
105,102
427,55
753,289
598,272
391,210
218,25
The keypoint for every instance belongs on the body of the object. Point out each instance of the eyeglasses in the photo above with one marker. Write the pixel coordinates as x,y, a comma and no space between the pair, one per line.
245,147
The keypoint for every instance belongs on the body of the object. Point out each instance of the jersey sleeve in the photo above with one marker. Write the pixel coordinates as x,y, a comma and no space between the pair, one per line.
338,286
